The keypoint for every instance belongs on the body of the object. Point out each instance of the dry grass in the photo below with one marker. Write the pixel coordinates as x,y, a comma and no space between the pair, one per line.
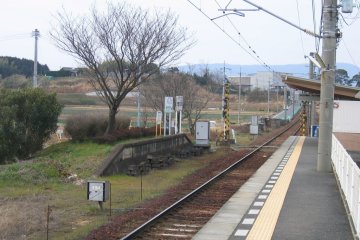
22,217
23,207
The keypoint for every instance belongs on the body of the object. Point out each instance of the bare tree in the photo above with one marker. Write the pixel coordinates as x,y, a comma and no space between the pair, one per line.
174,84
121,48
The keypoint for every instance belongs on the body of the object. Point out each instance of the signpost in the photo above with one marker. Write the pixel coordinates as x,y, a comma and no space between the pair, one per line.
178,117
169,102
98,191
158,122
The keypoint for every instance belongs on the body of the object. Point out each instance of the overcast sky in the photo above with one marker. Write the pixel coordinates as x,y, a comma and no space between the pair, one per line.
274,41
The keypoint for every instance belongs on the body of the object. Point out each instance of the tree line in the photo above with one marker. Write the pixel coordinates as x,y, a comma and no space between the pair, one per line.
16,66
342,78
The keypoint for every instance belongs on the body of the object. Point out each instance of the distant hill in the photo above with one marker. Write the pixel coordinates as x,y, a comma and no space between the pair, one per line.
12,65
300,70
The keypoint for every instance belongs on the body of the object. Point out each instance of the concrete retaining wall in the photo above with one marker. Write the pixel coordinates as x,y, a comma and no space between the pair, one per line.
134,153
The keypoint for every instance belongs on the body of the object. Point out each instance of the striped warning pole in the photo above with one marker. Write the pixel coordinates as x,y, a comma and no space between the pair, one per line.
226,112
303,119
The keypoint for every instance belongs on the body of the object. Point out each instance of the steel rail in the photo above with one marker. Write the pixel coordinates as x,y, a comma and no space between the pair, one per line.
150,222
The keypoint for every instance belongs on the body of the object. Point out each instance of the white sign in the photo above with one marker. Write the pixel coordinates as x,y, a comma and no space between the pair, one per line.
179,103
98,191
158,117
169,104
254,129
254,120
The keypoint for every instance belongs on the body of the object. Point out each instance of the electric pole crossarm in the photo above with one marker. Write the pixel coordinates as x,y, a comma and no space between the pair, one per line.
274,15
226,14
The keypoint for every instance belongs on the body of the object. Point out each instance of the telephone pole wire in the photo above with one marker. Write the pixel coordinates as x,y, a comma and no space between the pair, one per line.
36,34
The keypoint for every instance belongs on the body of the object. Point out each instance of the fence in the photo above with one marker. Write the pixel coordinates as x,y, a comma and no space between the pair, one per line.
348,174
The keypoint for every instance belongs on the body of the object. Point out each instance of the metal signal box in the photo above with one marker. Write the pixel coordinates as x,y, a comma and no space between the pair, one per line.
202,133
98,191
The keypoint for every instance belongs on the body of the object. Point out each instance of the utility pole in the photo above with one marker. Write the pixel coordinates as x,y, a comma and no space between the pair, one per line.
36,34
222,96
285,103
239,97
312,110
330,34
268,106
293,103
277,99
138,103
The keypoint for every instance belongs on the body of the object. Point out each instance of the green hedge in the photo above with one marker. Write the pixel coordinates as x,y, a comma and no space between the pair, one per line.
27,118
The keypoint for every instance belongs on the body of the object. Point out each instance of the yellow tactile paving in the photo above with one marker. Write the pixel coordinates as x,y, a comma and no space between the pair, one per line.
265,223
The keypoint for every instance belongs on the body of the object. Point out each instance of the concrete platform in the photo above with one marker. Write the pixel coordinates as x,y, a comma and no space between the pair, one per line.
285,199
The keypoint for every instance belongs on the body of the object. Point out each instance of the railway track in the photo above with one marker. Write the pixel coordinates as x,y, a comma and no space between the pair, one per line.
184,218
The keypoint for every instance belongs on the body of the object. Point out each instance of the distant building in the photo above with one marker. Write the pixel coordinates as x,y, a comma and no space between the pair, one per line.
73,71
261,80
245,83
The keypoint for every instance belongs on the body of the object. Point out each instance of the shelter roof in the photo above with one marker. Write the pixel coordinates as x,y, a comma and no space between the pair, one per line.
313,86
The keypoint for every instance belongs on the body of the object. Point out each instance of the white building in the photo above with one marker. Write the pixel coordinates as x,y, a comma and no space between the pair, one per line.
260,80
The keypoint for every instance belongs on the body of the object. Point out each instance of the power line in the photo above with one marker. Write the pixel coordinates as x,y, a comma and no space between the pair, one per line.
301,38
235,41
241,36
317,41
15,37
320,25
351,57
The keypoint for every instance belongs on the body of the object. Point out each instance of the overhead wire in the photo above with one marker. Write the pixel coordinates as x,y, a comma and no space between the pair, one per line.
300,32
317,41
241,36
15,37
320,25
232,38
354,18
351,57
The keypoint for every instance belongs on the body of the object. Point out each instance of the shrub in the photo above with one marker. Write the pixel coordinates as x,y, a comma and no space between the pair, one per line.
125,133
15,82
27,118
91,126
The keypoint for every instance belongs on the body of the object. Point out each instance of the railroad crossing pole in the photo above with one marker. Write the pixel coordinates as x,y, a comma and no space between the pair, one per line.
36,34
330,35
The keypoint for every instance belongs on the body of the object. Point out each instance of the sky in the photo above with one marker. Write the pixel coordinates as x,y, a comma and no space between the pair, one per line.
232,40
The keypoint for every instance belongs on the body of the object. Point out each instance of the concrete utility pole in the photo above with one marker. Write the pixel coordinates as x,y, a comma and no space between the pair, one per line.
293,103
285,103
138,103
268,99
239,98
36,34
138,109
313,103
330,34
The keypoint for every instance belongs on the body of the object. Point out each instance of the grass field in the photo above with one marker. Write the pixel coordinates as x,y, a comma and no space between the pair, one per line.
28,188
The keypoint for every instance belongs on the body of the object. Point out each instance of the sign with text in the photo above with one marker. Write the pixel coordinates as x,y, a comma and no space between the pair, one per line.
179,103
158,117
169,104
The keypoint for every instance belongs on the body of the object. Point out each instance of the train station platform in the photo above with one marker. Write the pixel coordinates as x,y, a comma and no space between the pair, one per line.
287,198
